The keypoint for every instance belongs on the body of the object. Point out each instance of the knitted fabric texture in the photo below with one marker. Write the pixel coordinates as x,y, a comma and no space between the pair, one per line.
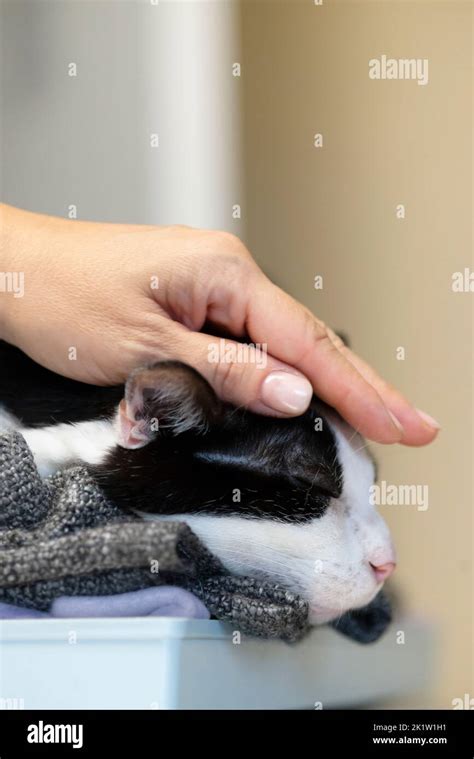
61,537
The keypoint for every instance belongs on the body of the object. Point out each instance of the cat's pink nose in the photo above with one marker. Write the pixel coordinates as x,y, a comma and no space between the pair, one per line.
383,571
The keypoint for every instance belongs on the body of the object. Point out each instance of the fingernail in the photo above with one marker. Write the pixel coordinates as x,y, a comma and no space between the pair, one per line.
286,392
395,421
429,420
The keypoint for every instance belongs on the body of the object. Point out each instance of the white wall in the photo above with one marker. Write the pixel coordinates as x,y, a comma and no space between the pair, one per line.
142,69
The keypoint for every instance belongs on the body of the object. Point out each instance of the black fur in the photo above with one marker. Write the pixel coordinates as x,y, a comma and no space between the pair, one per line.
38,397
283,470
243,463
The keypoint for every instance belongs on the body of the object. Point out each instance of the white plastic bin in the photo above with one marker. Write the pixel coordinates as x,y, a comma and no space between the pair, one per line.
163,663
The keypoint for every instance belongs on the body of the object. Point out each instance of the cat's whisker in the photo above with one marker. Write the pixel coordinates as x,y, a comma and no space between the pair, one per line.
252,567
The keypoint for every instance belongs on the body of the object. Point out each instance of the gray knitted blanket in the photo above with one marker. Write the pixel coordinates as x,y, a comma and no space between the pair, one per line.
61,537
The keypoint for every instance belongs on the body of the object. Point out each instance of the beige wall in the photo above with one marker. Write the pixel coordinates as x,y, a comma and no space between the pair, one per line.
387,281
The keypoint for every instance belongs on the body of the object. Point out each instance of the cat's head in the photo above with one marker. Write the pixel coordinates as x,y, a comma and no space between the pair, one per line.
285,500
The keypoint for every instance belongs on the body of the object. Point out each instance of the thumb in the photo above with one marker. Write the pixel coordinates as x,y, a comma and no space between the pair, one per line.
246,375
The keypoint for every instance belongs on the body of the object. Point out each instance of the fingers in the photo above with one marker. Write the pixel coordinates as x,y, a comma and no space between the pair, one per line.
241,299
296,338
409,417
268,386
245,376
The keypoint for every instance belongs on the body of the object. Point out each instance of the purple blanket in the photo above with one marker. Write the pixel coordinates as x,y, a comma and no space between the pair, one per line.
162,601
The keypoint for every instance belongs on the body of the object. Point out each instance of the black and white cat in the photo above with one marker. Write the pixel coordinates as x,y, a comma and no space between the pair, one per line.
284,500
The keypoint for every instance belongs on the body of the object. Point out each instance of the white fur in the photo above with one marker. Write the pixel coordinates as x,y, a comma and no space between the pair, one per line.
54,447
327,560
8,421
58,445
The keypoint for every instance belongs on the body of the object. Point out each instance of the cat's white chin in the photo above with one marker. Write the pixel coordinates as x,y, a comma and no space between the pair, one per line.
321,615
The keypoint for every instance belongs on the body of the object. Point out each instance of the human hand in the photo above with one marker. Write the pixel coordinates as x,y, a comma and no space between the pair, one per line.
102,299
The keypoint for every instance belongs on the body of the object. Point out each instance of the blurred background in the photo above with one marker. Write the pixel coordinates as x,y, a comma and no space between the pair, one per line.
206,113
332,211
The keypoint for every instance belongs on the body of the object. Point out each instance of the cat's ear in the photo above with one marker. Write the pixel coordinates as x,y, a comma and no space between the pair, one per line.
167,398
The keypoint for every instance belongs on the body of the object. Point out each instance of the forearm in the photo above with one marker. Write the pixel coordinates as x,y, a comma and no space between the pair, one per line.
25,242
12,279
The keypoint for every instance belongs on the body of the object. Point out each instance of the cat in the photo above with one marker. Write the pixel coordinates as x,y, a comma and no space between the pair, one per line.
284,500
